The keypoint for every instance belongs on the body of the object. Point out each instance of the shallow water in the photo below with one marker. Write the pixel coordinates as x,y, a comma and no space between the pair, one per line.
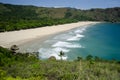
102,40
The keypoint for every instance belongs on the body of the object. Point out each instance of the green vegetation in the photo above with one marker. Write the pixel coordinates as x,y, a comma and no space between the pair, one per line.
27,67
14,48
17,17
61,54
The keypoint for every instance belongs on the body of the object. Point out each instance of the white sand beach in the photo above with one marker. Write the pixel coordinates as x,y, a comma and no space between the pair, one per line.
20,37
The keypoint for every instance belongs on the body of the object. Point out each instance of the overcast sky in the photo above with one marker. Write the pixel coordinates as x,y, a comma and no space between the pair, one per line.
80,4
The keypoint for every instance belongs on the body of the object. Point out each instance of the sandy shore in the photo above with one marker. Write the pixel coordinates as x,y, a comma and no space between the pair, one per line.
19,37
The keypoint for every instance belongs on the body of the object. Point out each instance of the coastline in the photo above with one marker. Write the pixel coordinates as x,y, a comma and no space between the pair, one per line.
8,39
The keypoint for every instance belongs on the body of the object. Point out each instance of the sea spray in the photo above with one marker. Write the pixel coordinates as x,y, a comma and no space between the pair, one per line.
62,42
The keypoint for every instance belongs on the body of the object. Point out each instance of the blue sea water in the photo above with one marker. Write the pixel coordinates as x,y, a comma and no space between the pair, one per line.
102,40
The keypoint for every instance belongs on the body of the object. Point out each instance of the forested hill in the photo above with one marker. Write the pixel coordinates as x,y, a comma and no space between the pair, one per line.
16,17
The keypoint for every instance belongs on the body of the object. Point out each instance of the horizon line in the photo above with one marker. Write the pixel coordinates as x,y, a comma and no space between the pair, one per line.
59,6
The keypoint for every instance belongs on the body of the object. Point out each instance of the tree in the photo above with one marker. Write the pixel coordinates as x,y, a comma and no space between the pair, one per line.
68,14
97,58
79,58
61,54
91,60
2,74
89,57
14,48
52,58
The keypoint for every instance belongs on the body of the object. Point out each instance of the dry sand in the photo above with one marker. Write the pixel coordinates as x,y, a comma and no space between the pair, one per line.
20,37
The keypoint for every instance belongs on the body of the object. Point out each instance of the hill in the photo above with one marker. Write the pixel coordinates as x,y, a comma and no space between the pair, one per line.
16,17
28,67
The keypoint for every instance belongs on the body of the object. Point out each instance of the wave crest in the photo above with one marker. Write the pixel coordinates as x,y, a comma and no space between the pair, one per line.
66,44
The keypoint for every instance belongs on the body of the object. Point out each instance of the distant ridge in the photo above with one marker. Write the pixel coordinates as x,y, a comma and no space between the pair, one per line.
16,17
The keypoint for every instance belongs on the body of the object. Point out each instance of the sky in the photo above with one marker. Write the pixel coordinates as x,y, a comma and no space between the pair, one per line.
79,4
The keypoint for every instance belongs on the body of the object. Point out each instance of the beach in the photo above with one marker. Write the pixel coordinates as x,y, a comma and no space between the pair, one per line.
8,39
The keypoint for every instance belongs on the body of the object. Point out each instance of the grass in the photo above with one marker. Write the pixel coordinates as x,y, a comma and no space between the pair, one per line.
24,67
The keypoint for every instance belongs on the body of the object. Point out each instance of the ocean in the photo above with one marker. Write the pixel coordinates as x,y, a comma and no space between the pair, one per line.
102,40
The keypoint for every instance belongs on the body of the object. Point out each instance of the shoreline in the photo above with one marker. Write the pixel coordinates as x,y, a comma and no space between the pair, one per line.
7,39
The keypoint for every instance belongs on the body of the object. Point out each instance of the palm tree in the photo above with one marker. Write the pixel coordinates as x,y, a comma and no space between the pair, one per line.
79,58
14,48
61,54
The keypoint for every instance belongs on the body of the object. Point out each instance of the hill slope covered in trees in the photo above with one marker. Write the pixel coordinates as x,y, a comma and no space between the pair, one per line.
16,17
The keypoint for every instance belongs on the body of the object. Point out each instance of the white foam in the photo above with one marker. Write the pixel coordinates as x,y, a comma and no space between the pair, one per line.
58,57
66,44
46,53
78,31
81,30
56,46
75,38
58,49
79,35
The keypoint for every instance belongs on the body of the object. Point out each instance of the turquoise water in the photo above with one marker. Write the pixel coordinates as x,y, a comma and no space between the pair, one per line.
102,40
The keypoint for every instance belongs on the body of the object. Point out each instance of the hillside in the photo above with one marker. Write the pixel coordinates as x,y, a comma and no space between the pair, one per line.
28,67
16,17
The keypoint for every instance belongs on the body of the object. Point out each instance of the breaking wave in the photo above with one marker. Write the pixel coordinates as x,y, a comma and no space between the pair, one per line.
66,44
62,42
